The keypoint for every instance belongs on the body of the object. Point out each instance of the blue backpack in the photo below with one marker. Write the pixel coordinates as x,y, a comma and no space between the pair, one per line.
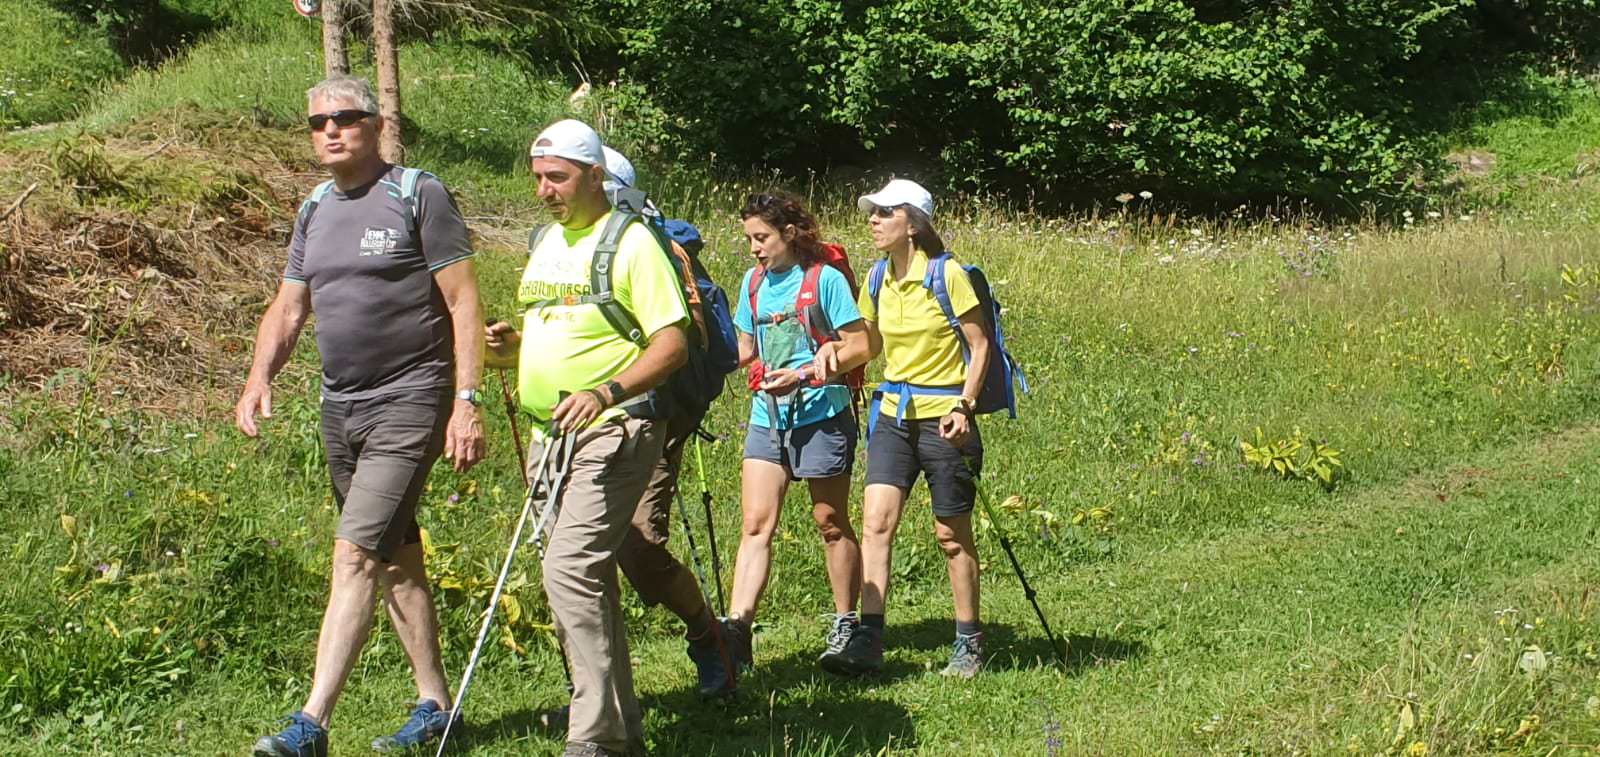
999,381
713,342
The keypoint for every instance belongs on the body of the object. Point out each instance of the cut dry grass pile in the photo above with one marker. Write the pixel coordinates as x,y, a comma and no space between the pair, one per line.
140,262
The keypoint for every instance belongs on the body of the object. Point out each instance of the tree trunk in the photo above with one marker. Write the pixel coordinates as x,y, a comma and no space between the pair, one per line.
388,59
335,56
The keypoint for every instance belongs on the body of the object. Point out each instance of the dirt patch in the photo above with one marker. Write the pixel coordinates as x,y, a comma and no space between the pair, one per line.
142,261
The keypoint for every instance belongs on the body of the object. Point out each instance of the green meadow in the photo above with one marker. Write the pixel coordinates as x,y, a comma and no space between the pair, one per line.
1285,485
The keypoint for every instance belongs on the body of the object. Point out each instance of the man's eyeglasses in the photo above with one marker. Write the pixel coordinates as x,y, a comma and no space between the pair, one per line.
319,121
883,212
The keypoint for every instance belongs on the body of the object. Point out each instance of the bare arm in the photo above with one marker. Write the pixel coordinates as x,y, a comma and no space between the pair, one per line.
858,344
275,340
978,342
458,283
957,426
464,441
747,349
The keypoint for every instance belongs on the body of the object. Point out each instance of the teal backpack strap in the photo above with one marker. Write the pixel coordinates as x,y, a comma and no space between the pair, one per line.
600,274
408,195
309,207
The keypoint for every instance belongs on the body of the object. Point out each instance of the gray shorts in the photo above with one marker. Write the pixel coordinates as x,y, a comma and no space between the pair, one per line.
819,450
379,453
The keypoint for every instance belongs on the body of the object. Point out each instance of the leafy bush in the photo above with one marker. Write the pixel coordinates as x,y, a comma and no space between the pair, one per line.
1336,102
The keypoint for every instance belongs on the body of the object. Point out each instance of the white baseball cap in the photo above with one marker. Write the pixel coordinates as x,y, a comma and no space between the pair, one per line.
620,168
571,139
898,192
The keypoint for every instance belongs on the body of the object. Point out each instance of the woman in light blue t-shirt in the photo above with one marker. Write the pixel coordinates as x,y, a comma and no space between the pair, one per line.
801,425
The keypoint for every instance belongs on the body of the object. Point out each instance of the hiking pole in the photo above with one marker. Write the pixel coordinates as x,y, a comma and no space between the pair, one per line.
688,533
1005,544
511,414
711,528
494,600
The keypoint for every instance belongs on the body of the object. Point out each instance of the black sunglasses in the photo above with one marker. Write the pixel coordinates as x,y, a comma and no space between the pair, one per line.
883,212
341,117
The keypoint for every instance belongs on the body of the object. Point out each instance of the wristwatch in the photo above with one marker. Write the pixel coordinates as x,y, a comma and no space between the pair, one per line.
614,392
471,395
965,405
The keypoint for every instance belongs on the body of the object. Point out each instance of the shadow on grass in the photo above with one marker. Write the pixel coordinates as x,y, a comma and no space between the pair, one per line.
1007,647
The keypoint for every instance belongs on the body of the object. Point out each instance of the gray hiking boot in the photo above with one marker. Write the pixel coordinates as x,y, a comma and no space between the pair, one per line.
863,653
844,626
966,657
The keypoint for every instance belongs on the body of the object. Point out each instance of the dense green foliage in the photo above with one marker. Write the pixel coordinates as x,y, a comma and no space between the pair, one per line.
1220,100
50,64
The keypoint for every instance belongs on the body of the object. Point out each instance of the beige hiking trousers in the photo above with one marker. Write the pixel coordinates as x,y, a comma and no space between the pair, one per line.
610,467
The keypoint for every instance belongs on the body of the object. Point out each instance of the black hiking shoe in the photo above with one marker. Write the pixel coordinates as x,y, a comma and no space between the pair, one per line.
863,653
713,663
736,636
303,737
844,626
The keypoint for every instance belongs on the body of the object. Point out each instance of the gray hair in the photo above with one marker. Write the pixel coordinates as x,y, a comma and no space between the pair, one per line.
344,89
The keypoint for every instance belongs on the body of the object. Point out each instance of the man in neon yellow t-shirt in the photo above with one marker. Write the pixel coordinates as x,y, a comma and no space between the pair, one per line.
581,372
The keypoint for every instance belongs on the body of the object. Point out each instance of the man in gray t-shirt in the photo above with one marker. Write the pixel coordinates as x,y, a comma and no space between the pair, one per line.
381,255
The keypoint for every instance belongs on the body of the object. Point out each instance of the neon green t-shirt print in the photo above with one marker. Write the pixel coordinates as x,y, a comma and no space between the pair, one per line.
572,348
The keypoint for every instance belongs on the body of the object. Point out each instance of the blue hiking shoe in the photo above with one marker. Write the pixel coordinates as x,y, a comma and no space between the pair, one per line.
303,737
714,665
425,725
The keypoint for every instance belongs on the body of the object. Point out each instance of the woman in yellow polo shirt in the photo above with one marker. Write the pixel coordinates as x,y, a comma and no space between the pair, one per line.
922,424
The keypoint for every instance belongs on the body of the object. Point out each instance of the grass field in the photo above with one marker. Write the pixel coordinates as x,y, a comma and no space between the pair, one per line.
1435,596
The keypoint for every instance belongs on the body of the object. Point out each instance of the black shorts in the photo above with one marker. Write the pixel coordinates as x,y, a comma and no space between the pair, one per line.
897,453
380,451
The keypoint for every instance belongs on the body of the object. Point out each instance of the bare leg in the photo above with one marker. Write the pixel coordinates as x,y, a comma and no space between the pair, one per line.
763,485
410,605
961,556
883,508
345,626
830,508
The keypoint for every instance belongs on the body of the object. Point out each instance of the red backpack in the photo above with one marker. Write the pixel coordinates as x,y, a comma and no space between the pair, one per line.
812,316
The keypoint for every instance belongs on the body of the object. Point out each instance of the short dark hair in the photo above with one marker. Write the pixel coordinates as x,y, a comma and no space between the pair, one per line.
780,209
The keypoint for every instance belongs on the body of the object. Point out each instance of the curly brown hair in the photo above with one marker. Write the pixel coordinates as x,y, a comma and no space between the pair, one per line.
779,210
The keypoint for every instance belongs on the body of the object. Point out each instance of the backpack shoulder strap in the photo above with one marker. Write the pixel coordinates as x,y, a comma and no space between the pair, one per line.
934,281
318,194
536,236
756,275
808,306
408,194
601,273
875,276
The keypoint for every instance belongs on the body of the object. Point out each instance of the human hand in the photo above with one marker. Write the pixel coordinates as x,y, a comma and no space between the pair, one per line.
826,362
464,442
782,381
956,427
576,411
256,398
501,339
